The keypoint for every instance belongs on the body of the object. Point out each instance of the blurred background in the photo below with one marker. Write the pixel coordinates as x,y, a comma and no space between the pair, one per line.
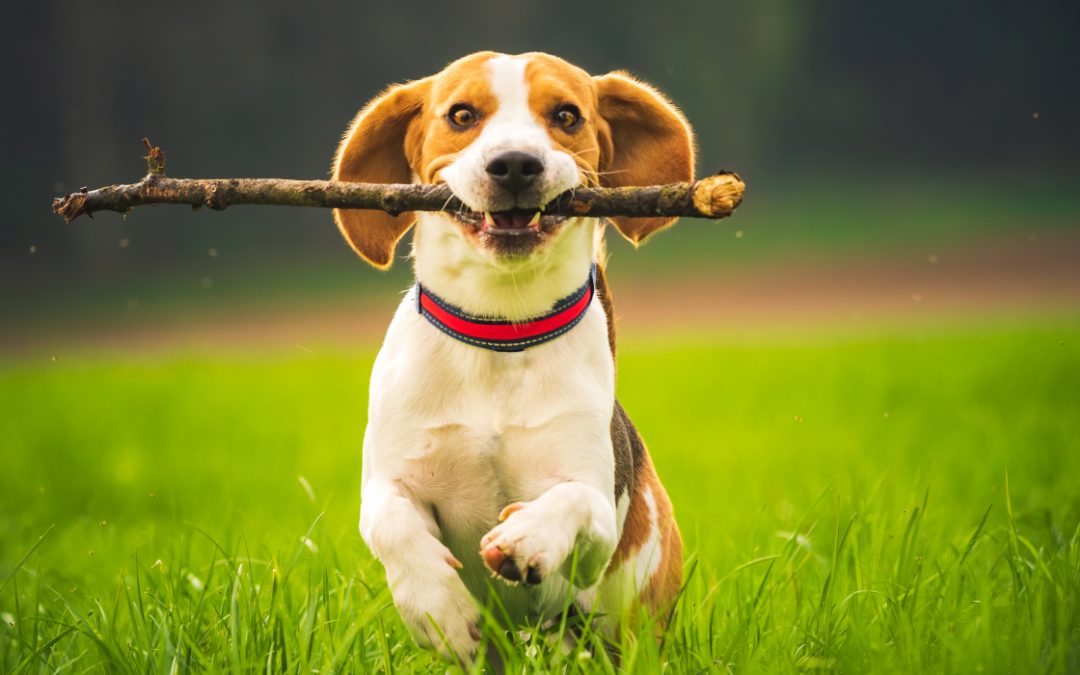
900,160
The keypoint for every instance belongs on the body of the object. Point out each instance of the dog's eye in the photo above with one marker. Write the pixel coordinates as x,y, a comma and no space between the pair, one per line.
461,116
568,117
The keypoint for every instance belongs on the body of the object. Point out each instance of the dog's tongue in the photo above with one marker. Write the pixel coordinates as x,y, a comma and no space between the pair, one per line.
511,220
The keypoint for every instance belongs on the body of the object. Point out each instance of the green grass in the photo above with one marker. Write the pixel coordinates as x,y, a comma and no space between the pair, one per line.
892,503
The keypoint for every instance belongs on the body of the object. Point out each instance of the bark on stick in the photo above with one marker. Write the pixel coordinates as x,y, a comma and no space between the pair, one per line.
714,197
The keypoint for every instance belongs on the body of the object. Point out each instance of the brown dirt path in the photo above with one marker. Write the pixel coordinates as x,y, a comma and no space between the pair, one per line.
1015,275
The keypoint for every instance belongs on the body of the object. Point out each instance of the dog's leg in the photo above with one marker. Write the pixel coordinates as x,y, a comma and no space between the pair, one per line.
421,571
537,538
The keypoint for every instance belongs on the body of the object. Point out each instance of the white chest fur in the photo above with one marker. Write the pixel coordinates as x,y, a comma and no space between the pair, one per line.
467,431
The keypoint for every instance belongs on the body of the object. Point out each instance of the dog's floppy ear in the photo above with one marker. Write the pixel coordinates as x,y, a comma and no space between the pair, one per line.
374,151
647,141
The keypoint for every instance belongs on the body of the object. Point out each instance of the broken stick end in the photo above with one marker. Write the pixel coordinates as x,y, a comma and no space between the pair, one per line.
717,196
70,206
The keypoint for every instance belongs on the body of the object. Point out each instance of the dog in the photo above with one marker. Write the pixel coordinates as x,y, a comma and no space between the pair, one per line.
495,445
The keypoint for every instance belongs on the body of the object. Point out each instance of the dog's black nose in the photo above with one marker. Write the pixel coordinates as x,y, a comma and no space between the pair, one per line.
515,171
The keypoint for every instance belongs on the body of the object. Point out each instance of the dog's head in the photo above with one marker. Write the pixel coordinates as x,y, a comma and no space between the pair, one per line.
507,134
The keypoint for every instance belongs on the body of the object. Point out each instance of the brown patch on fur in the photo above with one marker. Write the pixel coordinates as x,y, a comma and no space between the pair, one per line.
604,291
644,140
663,586
373,152
437,144
634,473
401,133
629,451
554,83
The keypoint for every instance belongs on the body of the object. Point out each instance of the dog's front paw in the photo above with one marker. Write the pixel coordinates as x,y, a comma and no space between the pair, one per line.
438,610
527,545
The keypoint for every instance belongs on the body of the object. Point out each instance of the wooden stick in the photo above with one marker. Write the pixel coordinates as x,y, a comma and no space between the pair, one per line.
715,196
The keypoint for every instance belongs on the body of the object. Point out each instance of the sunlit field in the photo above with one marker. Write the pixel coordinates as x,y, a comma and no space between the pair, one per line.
894,501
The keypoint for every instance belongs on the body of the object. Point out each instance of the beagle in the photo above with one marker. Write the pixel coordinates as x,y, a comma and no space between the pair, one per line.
494,444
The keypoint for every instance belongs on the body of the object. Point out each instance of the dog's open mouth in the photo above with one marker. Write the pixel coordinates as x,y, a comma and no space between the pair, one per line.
510,223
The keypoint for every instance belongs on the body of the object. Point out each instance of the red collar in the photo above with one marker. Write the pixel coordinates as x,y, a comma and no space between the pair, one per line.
501,335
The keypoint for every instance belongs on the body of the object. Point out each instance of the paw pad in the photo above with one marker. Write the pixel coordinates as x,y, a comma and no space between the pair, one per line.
506,567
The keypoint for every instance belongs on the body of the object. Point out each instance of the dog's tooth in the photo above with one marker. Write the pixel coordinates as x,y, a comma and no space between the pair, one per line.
489,221
535,219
